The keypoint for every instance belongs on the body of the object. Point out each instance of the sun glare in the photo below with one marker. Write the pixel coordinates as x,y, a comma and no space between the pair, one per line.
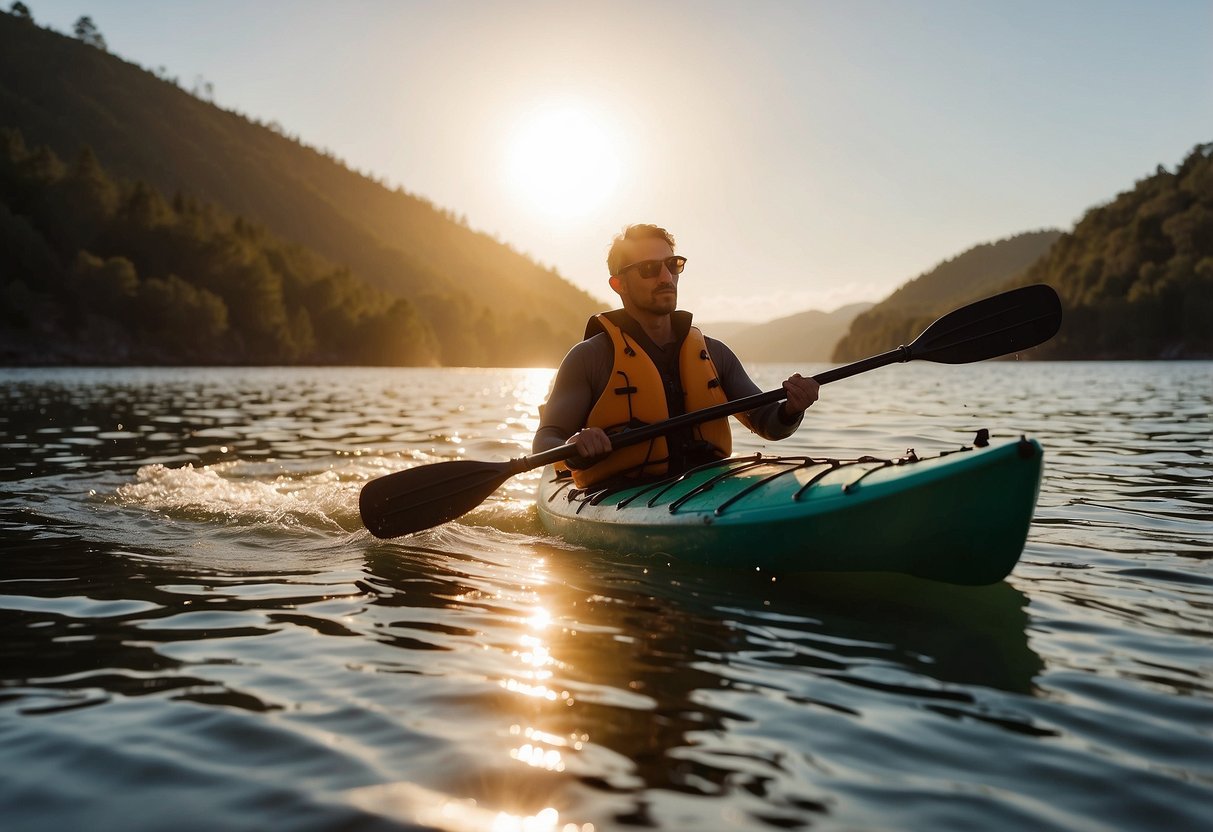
563,162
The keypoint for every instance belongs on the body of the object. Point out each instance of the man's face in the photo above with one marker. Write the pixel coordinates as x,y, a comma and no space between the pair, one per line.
657,295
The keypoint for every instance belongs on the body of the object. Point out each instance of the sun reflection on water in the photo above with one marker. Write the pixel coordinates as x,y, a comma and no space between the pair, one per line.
539,748
535,749
415,804
536,655
528,394
542,749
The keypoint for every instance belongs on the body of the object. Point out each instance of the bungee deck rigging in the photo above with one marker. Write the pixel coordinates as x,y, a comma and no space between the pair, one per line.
415,499
733,467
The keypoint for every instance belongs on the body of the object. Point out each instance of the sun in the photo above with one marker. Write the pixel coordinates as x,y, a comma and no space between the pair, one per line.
562,161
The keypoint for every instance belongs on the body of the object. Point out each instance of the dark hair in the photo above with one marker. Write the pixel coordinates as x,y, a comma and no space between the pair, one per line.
633,232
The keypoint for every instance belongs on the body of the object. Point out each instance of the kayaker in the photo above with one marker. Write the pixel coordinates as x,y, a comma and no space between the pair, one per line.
645,363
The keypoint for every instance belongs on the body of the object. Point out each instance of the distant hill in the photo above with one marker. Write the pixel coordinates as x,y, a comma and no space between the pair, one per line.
725,330
803,337
480,301
1136,274
982,270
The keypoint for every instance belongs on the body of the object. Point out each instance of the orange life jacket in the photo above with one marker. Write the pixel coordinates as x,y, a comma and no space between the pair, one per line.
636,394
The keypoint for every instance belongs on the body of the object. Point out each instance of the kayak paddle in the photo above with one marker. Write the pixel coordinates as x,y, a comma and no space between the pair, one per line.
420,498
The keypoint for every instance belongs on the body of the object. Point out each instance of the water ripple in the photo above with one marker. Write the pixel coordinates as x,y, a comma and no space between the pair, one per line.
199,633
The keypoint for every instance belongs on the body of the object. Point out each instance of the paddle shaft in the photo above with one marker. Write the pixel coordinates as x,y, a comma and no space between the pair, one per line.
707,414
420,498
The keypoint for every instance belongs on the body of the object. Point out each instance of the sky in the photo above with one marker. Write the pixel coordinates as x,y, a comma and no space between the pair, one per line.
805,155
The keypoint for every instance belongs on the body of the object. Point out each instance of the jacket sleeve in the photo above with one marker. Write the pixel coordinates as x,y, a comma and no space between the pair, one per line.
579,382
766,421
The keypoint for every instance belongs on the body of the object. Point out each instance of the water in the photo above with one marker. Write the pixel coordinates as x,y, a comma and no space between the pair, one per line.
195,632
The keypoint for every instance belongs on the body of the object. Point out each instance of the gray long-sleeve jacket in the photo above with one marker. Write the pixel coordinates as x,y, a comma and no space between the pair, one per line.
586,370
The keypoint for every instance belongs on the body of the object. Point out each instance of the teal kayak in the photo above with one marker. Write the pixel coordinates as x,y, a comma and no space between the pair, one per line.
960,517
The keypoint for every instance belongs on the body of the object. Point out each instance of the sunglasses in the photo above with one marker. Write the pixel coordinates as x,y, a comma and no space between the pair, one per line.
648,269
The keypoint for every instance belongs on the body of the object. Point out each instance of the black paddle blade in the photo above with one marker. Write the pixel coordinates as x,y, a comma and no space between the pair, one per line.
999,325
421,498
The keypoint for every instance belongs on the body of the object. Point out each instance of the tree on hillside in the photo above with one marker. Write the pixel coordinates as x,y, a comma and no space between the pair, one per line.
74,210
181,319
27,257
1136,274
977,272
392,338
21,10
104,271
143,126
86,31
104,287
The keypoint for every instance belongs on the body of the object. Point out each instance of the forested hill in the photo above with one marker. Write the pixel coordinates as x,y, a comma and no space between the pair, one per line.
97,271
1136,275
980,271
477,300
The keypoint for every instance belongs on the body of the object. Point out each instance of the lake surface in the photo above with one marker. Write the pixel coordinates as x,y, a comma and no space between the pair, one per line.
196,632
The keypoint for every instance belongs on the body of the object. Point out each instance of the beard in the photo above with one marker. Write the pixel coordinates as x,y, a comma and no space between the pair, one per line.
660,300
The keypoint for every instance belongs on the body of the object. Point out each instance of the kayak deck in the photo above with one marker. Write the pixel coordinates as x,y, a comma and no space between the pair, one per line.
961,517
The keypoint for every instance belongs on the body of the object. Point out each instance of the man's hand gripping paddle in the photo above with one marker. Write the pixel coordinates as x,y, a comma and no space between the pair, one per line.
420,498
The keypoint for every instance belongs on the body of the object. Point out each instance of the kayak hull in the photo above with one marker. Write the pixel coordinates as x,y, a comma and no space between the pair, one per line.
961,517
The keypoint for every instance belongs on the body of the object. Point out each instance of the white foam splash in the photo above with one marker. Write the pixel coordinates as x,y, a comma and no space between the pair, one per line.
303,495
248,493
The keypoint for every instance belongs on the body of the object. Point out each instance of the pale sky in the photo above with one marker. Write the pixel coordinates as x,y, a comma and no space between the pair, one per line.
804,154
